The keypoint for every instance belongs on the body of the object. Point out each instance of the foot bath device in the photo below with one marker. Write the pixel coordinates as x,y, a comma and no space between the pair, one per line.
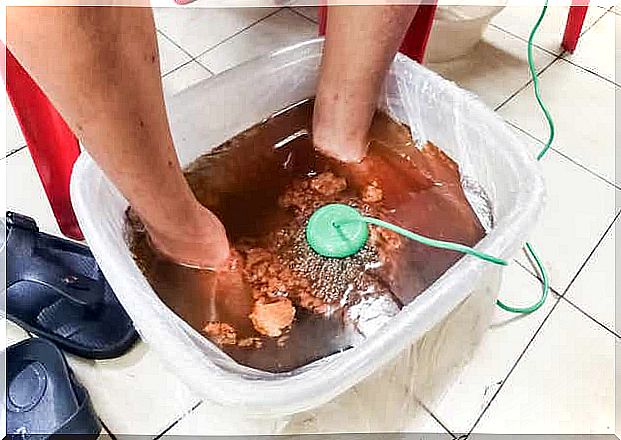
380,276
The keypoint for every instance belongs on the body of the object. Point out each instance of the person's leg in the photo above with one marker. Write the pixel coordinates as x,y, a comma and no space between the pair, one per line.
361,42
100,68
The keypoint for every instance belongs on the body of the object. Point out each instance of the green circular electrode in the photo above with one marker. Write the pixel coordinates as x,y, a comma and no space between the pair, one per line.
336,231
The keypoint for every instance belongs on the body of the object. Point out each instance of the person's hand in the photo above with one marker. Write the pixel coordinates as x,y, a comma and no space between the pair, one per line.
199,241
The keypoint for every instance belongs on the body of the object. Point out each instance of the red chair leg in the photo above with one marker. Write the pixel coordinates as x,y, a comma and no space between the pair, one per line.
52,145
415,40
323,19
573,28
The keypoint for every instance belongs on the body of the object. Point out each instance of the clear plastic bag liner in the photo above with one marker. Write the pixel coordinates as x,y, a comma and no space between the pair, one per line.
216,109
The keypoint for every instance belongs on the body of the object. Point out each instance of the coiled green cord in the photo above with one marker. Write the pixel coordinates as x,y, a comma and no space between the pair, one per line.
542,153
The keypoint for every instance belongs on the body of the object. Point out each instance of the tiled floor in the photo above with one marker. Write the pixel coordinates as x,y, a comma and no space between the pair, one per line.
549,372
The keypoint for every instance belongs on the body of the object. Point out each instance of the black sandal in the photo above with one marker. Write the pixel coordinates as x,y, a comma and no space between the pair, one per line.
56,290
43,398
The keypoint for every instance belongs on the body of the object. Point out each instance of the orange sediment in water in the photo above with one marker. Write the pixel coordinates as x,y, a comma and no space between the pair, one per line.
278,305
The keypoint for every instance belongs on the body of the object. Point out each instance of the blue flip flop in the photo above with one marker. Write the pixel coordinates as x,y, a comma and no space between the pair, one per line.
44,400
56,290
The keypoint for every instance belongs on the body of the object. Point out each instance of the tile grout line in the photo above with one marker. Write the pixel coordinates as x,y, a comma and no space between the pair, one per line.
186,64
587,315
235,34
600,18
292,9
595,22
588,70
195,58
584,167
530,342
14,151
528,83
106,429
609,10
584,31
537,277
525,40
584,263
436,418
582,266
187,413
192,58
556,150
174,43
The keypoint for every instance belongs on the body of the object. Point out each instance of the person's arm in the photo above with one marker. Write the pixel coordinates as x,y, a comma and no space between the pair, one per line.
100,68
361,42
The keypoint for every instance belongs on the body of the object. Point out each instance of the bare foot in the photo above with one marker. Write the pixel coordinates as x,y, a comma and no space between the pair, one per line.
200,242
335,136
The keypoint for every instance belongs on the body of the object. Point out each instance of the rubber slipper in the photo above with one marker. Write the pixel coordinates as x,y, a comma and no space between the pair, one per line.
44,400
56,290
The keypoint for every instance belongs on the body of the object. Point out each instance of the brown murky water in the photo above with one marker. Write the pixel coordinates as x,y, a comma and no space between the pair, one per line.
279,305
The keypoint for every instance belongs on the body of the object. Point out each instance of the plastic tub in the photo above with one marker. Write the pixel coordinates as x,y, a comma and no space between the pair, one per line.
214,110
457,29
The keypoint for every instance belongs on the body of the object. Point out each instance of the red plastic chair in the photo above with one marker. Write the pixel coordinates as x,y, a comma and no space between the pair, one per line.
52,145
54,148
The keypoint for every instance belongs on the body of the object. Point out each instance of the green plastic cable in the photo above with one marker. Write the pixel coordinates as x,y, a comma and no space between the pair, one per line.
542,153
434,243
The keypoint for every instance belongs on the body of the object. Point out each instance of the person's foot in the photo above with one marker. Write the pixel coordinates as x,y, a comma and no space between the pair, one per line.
338,135
200,242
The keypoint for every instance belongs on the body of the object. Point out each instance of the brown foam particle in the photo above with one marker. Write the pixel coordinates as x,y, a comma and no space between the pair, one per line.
271,317
328,184
221,333
372,193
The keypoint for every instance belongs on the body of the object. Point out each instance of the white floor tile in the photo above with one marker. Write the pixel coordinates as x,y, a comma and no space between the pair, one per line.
362,410
279,30
578,210
198,29
134,394
594,289
563,384
519,20
355,411
310,12
211,419
583,108
596,49
25,193
14,136
508,335
171,56
184,77
496,68
13,332
344,414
